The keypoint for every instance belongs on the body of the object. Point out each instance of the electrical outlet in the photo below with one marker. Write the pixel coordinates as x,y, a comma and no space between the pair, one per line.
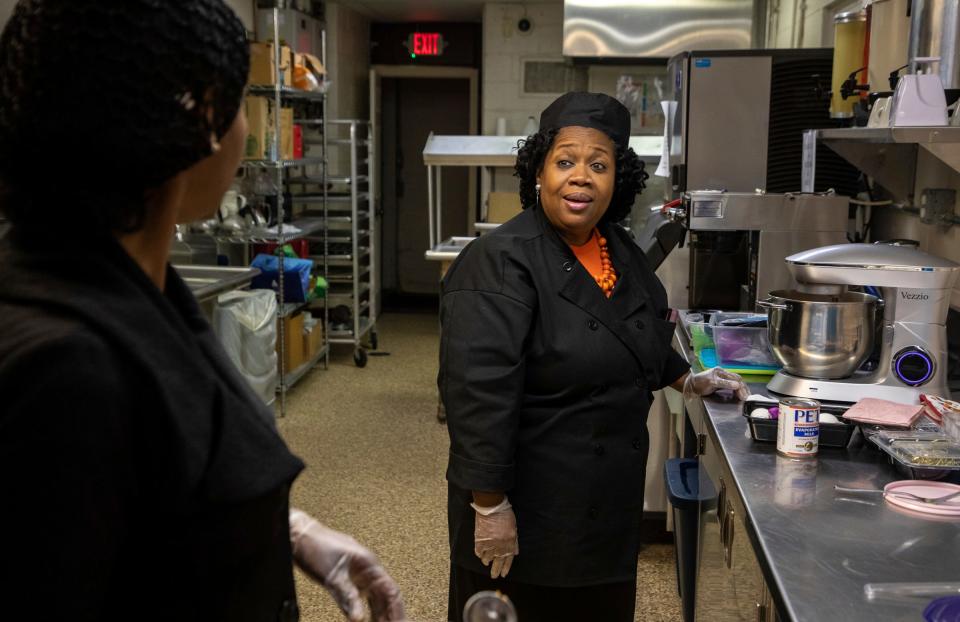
937,205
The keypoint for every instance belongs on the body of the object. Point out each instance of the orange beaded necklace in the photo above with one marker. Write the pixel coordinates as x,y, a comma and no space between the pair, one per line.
608,276
595,257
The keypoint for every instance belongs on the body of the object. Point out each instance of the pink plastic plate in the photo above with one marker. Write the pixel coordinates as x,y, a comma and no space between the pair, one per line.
923,488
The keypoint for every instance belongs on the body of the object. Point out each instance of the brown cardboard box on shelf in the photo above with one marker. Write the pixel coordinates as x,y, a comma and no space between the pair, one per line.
312,340
293,355
502,206
286,133
258,123
308,72
313,64
262,64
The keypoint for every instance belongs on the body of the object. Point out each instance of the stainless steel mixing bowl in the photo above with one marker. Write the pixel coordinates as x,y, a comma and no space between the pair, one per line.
820,336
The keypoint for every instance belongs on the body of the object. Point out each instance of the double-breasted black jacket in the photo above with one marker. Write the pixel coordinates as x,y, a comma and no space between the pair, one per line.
547,385
140,477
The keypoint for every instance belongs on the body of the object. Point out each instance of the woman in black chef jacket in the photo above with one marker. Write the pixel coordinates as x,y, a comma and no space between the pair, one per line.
554,336
140,478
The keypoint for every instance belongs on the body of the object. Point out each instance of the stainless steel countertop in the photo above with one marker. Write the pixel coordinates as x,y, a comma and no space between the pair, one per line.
209,281
818,550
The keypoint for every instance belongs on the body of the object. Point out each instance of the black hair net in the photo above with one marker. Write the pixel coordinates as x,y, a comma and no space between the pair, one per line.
102,100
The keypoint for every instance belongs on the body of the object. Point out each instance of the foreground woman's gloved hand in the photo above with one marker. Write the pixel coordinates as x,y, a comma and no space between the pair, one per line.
714,379
348,570
495,537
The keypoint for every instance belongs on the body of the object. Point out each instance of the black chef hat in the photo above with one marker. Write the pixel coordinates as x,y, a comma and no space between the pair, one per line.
594,110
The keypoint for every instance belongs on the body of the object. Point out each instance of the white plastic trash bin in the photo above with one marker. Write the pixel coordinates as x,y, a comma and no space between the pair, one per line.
245,322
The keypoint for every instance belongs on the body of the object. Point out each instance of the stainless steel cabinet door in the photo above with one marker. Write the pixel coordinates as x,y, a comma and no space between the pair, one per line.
729,583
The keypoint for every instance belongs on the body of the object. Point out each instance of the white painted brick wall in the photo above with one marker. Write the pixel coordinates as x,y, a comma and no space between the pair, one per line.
817,21
504,50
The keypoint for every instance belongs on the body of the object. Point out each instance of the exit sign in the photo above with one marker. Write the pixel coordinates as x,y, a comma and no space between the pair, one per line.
425,44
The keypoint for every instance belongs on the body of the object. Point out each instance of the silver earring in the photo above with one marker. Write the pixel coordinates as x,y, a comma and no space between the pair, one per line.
537,188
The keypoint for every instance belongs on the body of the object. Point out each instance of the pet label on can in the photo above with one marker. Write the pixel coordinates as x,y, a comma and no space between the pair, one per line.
798,427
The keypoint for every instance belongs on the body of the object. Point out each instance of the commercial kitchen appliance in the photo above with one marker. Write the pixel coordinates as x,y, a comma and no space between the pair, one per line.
850,61
933,46
739,121
890,24
738,241
738,126
822,332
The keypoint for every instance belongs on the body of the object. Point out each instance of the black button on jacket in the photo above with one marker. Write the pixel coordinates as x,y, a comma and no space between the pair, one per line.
537,371
140,477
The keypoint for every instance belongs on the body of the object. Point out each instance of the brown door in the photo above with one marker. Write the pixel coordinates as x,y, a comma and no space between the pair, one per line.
411,109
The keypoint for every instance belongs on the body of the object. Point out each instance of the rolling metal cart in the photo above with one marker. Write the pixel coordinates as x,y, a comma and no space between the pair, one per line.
349,254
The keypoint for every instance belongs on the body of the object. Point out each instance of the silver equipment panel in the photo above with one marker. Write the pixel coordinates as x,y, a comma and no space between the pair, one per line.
729,101
736,211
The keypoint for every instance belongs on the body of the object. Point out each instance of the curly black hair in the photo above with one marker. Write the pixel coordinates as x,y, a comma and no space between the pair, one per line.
629,180
101,102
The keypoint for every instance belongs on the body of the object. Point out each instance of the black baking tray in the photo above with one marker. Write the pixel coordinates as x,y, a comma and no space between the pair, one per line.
831,434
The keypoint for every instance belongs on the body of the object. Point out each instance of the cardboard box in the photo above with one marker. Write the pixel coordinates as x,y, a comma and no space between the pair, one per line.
308,72
312,340
286,133
258,122
502,206
261,129
313,64
263,69
293,354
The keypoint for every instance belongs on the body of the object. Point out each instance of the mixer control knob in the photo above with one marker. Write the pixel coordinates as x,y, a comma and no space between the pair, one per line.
913,366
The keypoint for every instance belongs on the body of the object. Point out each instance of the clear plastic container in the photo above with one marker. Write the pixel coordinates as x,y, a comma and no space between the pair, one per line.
951,425
697,324
919,454
741,345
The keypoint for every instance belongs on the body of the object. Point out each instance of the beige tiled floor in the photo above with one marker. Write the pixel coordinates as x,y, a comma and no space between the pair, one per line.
376,458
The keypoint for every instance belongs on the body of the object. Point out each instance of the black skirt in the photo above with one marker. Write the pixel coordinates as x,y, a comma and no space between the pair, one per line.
609,602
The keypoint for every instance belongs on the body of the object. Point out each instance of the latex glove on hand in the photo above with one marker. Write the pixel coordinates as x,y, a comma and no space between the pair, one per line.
495,537
348,570
715,379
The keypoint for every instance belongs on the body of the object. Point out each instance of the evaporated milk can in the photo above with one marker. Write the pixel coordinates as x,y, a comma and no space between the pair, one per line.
798,427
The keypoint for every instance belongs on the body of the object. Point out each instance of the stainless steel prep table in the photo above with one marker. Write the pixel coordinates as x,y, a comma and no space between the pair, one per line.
815,548
210,281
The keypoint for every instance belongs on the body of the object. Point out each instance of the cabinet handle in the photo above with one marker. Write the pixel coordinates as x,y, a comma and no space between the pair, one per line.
761,613
721,505
728,539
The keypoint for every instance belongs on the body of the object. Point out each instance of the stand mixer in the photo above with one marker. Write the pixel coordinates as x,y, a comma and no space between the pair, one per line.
822,333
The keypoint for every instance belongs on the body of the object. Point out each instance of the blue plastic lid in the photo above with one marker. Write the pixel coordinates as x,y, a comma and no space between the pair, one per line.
682,478
944,609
